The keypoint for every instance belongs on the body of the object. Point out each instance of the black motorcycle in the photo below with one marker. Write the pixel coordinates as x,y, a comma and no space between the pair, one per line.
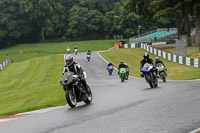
75,90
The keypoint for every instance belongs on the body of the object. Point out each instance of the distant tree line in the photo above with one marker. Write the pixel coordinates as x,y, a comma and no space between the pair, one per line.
186,13
28,21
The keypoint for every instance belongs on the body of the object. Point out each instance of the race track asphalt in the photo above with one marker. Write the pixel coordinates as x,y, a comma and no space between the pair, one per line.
129,107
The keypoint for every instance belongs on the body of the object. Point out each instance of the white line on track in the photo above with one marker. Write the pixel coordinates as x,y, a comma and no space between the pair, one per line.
31,113
195,131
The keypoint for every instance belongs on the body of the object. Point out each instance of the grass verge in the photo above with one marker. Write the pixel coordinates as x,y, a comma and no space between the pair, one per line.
31,85
24,52
133,57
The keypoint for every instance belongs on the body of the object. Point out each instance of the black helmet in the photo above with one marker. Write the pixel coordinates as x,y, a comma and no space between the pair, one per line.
146,56
121,62
69,60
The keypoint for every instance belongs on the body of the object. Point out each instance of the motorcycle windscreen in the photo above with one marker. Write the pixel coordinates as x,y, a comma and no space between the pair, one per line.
159,67
147,67
67,78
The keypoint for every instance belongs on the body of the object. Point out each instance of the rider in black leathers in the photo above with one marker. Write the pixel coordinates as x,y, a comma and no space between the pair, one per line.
146,59
127,69
75,67
88,52
109,64
157,60
121,65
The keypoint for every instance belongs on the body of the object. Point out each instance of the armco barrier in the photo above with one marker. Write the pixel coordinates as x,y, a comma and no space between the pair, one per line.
4,64
172,57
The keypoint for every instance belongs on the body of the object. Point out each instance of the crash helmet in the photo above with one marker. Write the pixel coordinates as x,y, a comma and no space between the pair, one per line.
157,58
146,56
121,62
69,60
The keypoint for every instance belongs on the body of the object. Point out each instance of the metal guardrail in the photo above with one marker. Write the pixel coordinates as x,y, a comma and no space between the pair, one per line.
5,63
171,57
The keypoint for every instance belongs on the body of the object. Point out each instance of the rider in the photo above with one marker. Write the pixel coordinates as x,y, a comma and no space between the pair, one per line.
88,52
121,65
75,48
109,64
75,67
157,60
127,69
68,50
146,59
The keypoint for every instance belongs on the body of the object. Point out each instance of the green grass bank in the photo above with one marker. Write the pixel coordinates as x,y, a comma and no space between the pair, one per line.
133,57
24,52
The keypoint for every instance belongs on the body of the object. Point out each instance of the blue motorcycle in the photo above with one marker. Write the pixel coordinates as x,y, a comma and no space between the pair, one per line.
110,70
148,72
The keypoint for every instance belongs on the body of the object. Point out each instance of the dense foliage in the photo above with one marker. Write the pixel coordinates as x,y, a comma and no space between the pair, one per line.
182,11
34,20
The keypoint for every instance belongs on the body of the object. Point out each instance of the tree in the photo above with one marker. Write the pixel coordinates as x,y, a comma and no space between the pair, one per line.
13,24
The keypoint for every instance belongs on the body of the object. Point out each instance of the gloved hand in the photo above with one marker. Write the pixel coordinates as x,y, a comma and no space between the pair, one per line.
75,76
142,75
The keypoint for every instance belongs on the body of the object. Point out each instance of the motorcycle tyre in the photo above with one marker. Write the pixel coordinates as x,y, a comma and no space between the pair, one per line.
88,101
69,100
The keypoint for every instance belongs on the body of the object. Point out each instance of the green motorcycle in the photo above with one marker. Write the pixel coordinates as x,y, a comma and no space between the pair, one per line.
161,72
122,74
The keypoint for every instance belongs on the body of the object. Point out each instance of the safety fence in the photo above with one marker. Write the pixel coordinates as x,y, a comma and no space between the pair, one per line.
172,57
4,64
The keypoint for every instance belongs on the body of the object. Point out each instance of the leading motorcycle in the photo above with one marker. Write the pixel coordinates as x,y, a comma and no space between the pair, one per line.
75,90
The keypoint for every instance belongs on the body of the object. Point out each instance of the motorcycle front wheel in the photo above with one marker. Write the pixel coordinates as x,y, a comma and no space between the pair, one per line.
150,80
122,77
163,78
71,98
88,99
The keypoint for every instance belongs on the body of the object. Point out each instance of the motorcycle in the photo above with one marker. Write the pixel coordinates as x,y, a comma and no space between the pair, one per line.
75,51
110,70
148,72
161,71
75,90
122,74
88,57
127,75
